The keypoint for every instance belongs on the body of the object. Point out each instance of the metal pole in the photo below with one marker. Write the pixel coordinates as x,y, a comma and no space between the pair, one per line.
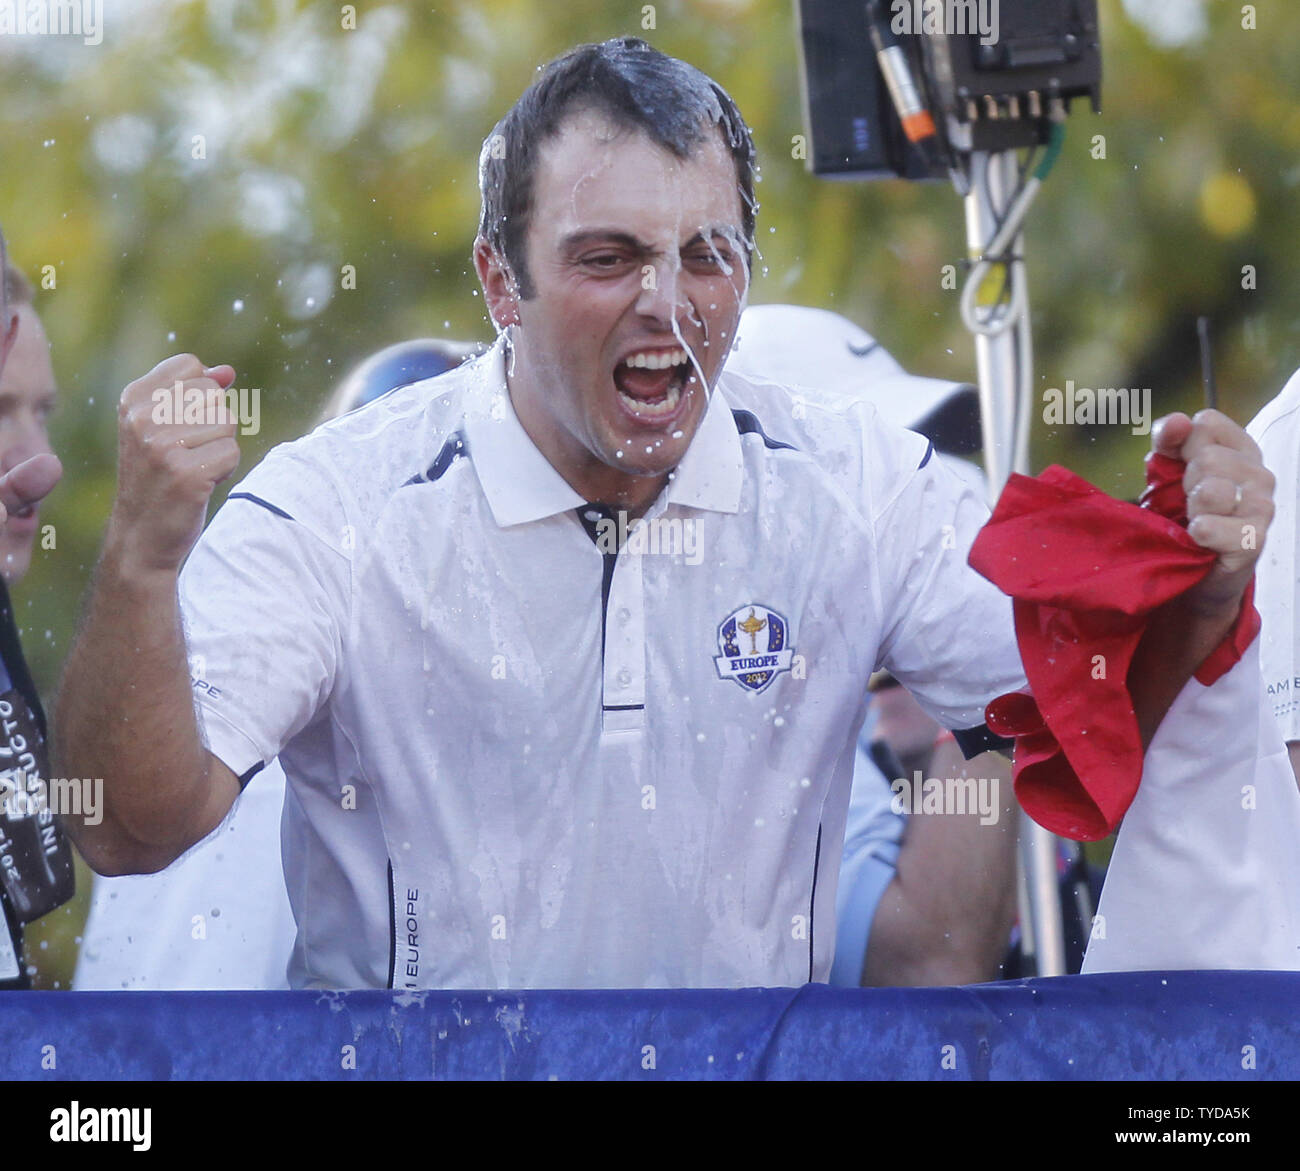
1004,362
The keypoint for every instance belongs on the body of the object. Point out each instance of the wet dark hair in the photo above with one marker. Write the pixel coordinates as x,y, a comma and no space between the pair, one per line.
637,88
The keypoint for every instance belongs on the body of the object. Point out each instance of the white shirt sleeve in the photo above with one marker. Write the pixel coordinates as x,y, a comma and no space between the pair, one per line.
1205,872
951,638
217,918
1277,431
264,597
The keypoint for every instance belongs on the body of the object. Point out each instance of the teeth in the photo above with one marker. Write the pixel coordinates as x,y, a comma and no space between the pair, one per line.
664,407
656,361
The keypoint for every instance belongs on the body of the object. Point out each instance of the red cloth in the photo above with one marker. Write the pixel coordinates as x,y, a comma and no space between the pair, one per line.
1085,572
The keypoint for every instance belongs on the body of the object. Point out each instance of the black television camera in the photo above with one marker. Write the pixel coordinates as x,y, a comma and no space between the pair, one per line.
909,88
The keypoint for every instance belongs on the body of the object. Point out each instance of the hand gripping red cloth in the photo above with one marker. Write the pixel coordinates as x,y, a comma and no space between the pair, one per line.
1085,573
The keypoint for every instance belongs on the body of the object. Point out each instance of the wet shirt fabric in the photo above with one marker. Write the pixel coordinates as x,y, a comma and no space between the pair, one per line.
217,918
526,747
1277,431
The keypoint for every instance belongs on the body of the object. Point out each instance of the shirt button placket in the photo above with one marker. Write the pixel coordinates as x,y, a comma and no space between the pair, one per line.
625,648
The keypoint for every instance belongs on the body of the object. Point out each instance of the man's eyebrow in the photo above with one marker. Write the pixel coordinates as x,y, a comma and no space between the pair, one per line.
723,232
577,240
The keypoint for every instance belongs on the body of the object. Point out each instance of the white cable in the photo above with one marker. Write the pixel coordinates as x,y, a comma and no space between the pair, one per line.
1006,313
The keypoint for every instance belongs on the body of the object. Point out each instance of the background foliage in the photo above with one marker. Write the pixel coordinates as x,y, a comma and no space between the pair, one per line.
326,147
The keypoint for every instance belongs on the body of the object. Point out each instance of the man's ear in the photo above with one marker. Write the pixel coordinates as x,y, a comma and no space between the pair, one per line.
500,290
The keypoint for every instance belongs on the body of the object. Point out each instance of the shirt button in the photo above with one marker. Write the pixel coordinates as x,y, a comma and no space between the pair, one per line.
624,677
624,614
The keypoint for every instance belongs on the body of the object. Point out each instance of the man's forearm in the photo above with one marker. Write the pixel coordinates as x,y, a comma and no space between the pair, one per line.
1229,499
125,714
946,917
1179,638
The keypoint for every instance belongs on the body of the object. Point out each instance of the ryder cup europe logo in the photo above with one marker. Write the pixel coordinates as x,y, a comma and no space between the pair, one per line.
753,644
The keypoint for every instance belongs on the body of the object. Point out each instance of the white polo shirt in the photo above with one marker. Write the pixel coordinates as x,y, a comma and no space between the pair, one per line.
520,757
217,918
1277,431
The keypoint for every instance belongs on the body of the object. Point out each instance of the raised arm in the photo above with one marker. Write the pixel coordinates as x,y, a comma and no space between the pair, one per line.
1229,508
125,711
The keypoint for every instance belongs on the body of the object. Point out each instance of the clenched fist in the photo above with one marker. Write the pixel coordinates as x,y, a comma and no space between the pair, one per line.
1229,498
168,467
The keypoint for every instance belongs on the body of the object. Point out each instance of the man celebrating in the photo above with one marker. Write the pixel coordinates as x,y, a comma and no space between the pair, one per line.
530,739
37,873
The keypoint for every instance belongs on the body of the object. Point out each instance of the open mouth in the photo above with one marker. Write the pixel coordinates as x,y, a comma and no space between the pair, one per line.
650,382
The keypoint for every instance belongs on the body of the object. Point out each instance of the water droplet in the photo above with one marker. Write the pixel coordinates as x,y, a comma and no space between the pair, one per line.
238,306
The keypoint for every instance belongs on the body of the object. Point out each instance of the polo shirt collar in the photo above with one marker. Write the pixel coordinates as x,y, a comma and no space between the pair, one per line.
710,473
521,485
518,480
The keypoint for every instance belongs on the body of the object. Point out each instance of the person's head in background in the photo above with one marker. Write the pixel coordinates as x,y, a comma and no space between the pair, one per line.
396,365
27,397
